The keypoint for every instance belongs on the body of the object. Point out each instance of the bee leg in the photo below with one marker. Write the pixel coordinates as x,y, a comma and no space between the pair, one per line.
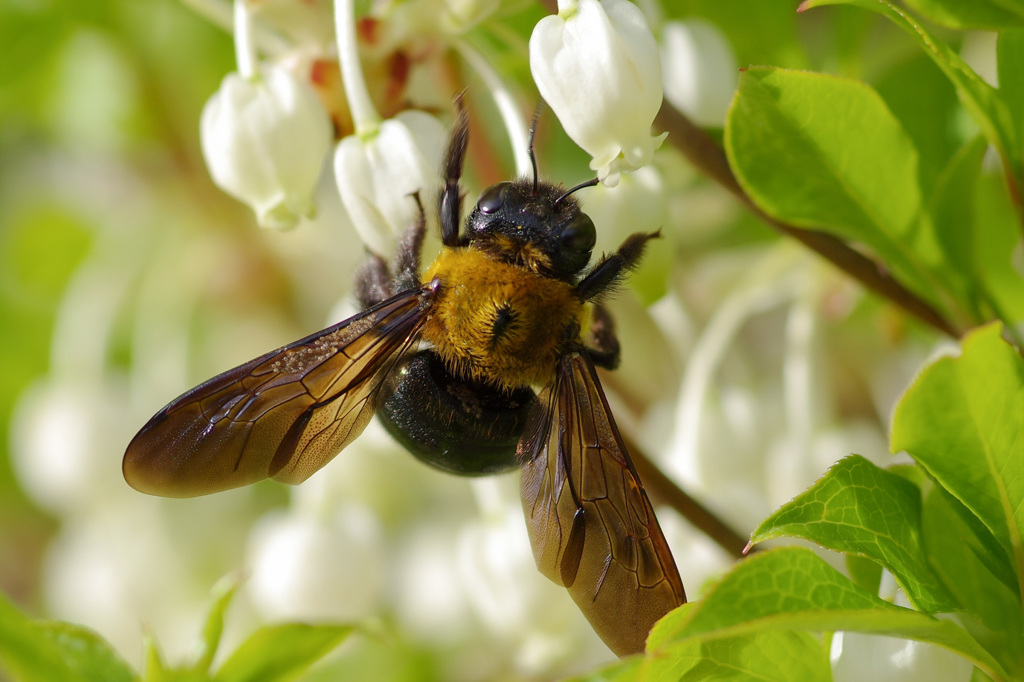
602,342
406,263
450,200
373,282
376,282
611,269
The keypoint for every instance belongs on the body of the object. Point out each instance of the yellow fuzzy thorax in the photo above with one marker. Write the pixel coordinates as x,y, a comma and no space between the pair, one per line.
499,323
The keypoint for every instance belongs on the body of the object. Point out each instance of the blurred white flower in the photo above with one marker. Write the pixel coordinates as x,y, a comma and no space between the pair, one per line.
307,567
857,656
637,204
461,15
377,173
63,433
264,140
715,416
493,558
979,51
305,22
383,163
430,599
596,64
112,569
698,69
503,587
414,19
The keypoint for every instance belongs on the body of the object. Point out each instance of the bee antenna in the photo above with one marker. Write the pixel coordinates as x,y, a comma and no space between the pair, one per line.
588,183
533,131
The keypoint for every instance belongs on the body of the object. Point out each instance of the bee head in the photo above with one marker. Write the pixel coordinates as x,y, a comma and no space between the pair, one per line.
534,224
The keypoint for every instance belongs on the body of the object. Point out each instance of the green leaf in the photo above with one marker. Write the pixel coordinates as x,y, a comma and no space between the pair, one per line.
793,589
962,421
281,652
643,668
857,507
24,651
980,541
223,592
979,676
1010,64
982,101
984,14
85,652
37,650
926,104
782,656
951,208
629,669
962,560
153,667
996,231
807,148
777,656
763,33
865,573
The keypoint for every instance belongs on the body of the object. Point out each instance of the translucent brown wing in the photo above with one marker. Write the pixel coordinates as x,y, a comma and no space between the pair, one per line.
589,519
283,415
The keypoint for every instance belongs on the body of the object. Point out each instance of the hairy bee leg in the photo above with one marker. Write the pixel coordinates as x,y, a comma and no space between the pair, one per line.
376,282
602,341
607,273
373,282
406,264
450,200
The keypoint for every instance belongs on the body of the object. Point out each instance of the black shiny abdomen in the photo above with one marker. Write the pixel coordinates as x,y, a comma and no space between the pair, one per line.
458,426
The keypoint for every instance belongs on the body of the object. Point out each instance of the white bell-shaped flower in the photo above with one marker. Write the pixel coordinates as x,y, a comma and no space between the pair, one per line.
384,162
597,66
699,70
377,175
264,140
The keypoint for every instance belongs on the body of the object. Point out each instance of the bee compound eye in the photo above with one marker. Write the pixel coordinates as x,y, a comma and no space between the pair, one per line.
493,198
580,234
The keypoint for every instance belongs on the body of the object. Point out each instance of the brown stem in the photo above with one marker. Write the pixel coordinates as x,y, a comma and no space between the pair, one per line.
663,489
707,156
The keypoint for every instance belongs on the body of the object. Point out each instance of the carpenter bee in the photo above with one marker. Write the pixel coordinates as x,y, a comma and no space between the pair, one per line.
447,360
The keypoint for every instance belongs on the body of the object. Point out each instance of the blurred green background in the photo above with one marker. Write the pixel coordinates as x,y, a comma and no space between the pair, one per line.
99,110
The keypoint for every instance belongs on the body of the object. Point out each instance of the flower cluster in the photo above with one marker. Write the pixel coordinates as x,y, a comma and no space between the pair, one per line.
266,132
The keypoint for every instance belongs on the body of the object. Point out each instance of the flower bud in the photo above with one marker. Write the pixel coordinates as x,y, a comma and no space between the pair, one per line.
377,174
699,71
264,141
596,64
